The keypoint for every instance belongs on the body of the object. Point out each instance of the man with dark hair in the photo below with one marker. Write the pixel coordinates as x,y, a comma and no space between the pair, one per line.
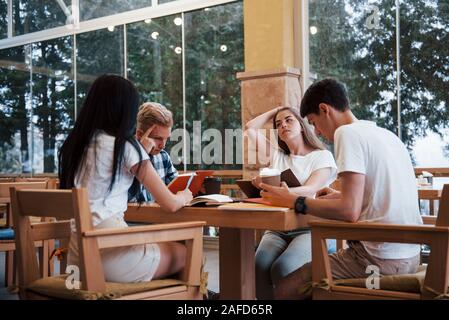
377,184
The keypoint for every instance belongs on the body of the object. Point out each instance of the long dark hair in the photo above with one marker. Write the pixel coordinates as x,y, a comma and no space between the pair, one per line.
308,135
111,105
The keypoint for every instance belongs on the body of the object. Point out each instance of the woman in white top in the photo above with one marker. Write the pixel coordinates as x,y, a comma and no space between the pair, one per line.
102,155
298,149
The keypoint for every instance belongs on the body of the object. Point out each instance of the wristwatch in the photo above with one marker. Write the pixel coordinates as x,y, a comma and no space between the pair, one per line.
300,205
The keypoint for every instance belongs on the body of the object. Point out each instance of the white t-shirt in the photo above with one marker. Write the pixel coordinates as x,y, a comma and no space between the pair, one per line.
96,172
304,166
390,193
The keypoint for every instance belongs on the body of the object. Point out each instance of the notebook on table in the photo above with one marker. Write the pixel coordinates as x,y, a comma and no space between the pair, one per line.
209,200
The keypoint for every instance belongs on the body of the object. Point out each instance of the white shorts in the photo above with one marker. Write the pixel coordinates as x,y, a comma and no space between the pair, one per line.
123,264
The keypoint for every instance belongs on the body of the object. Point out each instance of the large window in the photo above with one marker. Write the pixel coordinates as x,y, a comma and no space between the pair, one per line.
3,19
15,142
36,15
155,67
187,61
53,100
213,57
98,52
356,42
91,9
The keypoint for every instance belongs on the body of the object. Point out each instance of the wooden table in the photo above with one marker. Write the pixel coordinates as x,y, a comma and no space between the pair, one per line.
236,241
430,194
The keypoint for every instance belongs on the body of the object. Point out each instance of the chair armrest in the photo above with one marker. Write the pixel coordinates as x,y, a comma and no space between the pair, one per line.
191,232
431,220
145,228
378,232
122,237
436,237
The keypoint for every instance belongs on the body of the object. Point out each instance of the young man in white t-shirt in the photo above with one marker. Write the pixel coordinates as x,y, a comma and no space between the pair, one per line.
377,184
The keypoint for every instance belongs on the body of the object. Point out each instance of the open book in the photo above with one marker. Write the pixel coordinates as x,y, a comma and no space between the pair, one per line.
210,200
191,180
240,206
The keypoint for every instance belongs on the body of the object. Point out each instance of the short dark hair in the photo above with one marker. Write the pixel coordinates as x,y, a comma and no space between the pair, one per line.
329,91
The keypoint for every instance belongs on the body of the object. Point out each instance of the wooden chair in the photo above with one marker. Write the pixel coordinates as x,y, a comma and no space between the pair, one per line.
430,283
8,245
68,204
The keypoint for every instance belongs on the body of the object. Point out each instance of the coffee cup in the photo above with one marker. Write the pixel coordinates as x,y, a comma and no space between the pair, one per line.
270,176
212,185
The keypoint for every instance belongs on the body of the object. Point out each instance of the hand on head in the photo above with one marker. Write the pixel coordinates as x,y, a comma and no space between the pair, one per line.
147,142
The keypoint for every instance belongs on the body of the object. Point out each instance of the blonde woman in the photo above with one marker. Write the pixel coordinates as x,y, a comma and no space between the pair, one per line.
298,149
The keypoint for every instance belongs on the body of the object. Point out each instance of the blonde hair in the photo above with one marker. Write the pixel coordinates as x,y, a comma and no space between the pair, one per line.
151,113
308,135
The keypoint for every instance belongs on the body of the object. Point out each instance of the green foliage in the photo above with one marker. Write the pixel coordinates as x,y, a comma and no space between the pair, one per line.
365,59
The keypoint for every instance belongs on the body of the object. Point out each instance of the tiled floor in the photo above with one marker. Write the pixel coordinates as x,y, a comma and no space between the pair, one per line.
211,267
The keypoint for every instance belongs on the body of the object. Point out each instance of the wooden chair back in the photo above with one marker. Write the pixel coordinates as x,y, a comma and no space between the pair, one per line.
436,236
9,246
74,204
62,205
5,186
443,209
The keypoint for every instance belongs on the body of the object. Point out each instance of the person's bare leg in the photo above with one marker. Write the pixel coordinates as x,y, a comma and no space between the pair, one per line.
287,288
173,259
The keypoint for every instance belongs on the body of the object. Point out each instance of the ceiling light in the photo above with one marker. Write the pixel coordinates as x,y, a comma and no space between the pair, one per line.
155,35
177,21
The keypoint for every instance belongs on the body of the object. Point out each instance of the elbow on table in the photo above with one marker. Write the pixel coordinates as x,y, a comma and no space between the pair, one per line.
350,214
172,207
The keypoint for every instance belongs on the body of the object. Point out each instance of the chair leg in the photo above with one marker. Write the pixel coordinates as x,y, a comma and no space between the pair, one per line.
51,265
44,261
9,270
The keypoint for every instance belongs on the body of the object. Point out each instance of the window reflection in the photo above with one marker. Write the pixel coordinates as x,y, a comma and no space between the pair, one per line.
53,101
37,15
91,9
214,54
98,52
15,139
155,67
3,19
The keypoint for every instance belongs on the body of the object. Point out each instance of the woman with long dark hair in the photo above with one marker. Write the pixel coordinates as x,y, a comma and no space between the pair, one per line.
299,149
102,155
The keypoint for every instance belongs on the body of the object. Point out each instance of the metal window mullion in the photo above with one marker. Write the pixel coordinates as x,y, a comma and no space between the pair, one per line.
125,53
398,66
9,18
75,84
184,111
30,46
